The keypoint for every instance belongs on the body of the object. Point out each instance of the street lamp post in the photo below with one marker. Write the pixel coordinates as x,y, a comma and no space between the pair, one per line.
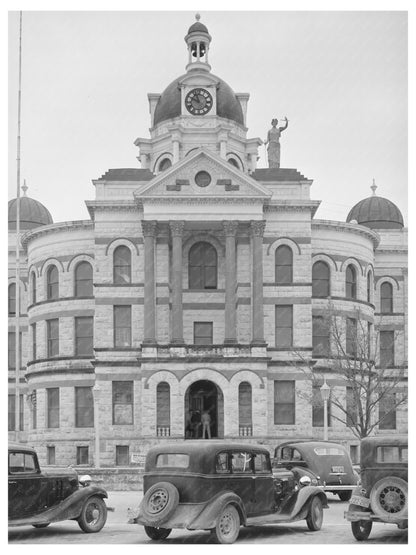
96,391
325,392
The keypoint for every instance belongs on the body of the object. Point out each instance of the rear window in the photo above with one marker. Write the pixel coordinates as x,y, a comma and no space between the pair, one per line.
328,451
391,454
172,460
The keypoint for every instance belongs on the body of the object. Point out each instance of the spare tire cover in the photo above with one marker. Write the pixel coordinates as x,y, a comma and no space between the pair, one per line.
159,502
389,497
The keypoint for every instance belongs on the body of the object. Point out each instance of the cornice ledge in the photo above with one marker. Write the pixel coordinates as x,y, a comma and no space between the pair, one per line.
51,228
190,201
334,225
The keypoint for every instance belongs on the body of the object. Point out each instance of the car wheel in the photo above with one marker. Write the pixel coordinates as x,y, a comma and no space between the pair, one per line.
228,525
389,496
345,495
315,514
157,533
41,525
93,515
159,502
361,529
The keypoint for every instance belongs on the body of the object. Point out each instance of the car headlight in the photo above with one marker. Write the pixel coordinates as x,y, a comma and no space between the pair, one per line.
85,480
305,481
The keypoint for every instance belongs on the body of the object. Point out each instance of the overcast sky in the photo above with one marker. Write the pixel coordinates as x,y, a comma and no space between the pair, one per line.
339,77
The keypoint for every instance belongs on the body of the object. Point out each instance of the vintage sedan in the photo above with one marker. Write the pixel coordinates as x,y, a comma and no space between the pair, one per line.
38,497
328,464
220,486
383,493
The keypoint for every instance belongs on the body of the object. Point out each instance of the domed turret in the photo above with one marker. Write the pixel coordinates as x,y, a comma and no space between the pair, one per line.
376,212
32,213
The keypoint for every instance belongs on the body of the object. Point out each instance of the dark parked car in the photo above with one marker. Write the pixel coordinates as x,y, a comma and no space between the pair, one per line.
219,486
383,493
328,464
39,498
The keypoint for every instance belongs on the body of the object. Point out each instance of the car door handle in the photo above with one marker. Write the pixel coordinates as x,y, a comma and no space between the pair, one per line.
12,482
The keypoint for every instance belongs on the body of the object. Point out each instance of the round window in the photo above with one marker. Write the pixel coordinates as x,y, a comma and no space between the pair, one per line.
202,179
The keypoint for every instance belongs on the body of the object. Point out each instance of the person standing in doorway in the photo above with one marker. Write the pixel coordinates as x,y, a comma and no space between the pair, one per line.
196,423
206,424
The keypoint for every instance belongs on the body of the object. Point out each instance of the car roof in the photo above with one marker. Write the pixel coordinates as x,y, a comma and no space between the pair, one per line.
14,446
204,446
395,439
308,443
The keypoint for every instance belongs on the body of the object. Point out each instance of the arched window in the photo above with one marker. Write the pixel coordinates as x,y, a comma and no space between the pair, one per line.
12,299
33,287
83,280
351,282
52,283
245,409
320,279
163,409
202,266
283,265
165,164
122,265
369,287
386,298
233,162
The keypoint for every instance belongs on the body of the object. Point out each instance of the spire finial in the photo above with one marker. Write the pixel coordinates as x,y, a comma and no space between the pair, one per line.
373,186
197,16
24,187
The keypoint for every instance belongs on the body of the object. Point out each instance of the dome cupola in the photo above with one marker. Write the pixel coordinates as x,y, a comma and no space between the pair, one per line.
376,212
198,40
32,213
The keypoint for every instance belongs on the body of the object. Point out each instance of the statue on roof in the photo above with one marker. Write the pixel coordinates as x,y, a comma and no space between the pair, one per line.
273,140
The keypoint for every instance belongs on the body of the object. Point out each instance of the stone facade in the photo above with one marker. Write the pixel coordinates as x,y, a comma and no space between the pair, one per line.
244,215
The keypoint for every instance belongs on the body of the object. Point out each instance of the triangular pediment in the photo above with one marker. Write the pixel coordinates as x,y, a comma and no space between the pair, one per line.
202,175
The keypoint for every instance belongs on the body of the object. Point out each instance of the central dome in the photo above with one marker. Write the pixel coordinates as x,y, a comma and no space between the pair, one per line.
169,103
32,213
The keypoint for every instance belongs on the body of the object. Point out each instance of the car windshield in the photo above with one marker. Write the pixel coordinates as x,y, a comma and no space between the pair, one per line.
328,451
172,460
391,454
21,462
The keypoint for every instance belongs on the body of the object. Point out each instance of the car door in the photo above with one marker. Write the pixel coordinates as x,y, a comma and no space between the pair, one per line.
241,480
25,485
264,500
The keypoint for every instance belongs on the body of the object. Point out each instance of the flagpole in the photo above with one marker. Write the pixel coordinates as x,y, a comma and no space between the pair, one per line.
17,309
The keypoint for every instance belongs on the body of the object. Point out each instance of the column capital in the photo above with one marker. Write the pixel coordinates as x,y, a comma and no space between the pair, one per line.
257,227
149,228
230,227
176,227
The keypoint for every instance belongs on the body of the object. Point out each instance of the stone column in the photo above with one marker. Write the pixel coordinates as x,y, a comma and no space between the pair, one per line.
257,334
230,329
149,324
176,229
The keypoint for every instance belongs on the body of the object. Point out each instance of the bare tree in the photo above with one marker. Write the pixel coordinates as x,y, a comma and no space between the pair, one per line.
349,350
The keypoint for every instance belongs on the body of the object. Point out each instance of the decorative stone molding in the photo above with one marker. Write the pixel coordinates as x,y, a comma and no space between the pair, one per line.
176,228
149,228
258,227
230,227
53,228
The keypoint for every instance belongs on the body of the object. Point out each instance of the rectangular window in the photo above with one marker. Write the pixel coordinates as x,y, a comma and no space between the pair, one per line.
122,402
284,402
203,333
34,345
386,349
351,337
82,455
12,412
84,407
351,407
84,336
12,350
52,334
387,412
34,409
122,326
320,336
318,408
50,454
122,455
354,454
53,407
284,325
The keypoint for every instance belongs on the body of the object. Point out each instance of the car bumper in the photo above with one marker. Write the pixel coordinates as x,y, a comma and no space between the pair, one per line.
183,516
339,487
354,516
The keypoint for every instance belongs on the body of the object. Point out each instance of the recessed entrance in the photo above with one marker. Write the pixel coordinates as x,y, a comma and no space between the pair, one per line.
202,396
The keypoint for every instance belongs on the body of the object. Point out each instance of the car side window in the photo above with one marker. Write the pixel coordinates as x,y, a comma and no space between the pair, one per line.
286,454
222,464
261,463
296,456
22,462
241,462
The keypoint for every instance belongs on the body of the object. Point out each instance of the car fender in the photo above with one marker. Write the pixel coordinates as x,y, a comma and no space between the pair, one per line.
305,495
208,517
68,509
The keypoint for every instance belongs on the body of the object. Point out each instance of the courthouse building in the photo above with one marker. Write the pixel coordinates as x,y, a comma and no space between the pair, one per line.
197,283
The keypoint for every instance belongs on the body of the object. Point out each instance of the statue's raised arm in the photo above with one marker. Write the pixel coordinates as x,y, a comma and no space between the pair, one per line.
285,125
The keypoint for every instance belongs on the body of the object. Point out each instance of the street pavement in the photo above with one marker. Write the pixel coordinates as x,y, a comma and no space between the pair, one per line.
335,530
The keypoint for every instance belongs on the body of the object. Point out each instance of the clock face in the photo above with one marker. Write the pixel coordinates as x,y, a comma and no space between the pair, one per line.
198,102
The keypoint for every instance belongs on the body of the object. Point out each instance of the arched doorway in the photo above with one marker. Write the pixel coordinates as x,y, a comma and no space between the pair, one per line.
201,396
